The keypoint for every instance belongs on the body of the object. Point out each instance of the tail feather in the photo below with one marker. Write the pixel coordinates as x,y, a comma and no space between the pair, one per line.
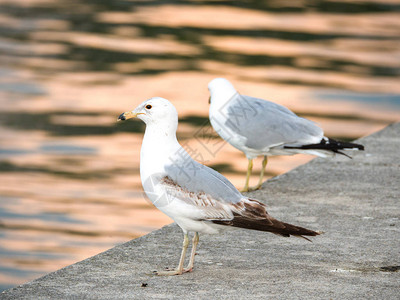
329,144
270,225
252,214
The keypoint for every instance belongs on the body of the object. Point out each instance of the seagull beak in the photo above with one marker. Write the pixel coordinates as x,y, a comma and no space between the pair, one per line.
128,115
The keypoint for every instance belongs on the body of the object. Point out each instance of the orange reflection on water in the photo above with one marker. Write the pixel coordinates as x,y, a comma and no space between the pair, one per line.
340,49
226,17
116,43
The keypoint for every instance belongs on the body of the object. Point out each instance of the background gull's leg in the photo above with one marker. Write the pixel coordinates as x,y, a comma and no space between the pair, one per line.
260,181
249,168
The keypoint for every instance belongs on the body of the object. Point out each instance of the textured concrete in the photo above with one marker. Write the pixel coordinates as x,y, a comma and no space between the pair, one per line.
354,201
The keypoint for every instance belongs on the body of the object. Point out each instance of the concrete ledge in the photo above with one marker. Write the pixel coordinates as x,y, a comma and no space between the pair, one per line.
355,201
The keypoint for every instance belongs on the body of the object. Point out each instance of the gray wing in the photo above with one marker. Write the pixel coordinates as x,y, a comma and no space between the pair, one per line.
264,123
199,205
197,178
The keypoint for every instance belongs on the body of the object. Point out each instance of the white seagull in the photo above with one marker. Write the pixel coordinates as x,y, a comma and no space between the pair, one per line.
260,127
196,197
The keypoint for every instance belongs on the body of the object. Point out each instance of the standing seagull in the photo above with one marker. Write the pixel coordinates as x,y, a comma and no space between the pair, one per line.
259,127
196,197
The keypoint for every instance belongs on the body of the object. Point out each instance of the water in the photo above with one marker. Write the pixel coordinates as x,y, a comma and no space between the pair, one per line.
69,183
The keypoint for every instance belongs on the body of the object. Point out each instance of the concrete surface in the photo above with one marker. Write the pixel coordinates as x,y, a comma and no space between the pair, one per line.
355,201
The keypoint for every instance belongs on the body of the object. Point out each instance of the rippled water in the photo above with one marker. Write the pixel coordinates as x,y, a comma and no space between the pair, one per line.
69,184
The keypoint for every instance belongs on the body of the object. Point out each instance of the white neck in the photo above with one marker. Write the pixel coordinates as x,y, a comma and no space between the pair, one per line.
159,143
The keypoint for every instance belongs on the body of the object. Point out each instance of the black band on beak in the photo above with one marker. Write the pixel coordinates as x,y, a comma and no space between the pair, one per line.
122,117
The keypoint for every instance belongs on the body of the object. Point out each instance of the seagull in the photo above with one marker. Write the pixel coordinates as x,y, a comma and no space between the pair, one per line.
196,197
260,127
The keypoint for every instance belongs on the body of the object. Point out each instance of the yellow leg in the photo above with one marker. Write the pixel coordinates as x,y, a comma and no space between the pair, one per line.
194,246
260,181
249,168
179,269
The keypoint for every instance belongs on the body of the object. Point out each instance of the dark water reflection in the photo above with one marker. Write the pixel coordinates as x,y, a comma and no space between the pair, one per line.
69,174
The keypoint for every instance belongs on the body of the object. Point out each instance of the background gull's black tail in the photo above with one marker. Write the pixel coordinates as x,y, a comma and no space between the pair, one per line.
328,144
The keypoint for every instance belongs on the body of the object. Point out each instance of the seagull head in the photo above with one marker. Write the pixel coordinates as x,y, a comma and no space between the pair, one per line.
221,90
156,110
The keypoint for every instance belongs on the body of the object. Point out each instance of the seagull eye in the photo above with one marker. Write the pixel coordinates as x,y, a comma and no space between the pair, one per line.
148,106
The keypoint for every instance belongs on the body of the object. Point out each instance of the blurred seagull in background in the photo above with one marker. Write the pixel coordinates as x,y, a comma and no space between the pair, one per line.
196,197
260,127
